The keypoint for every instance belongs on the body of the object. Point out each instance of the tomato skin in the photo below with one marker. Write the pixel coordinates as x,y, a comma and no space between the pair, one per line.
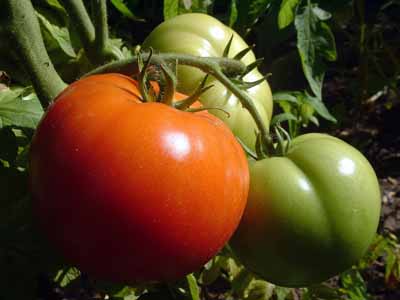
202,35
132,191
311,214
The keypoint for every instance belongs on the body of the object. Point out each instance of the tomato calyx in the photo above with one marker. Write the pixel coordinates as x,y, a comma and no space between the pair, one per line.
228,71
166,82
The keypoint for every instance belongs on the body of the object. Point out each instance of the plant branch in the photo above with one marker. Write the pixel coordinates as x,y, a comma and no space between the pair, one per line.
218,67
101,25
24,31
84,26
129,66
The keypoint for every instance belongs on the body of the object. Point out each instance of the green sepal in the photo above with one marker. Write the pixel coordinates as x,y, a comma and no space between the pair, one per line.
227,47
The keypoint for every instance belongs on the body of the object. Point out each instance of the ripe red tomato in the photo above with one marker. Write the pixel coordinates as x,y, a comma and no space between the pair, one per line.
132,191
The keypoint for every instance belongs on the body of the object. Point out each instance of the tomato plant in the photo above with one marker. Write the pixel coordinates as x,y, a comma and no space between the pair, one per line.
310,214
133,191
203,35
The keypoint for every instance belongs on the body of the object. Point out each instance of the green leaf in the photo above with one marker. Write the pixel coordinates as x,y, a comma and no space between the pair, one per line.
260,290
19,107
65,276
171,9
286,13
281,292
241,281
391,260
248,13
323,15
354,285
193,287
325,292
126,12
233,13
315,41
280,118
326,42
60,35
319,107
211,271
198,6
285,96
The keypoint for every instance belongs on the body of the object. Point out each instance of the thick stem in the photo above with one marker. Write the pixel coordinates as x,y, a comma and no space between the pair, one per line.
129,67
217,67
247,103
101,26
24,31
81,21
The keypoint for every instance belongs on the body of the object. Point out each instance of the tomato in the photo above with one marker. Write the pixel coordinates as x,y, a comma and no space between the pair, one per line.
310,214
203,35
132,191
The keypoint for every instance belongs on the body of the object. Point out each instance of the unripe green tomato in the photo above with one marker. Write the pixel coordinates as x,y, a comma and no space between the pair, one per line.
311,214
203,35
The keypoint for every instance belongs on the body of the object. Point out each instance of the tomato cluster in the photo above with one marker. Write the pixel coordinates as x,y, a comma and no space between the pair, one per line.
133,191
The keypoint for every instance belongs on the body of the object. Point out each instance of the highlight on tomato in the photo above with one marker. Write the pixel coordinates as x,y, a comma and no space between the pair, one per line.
131,191
311,213
203,35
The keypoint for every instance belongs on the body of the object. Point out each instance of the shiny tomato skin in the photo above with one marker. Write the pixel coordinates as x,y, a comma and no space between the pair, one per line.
310,214
203,35
131,191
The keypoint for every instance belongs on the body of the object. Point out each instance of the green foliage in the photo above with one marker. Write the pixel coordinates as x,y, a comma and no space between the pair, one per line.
287,13
315,42
125,11
173,8
19,107
278,27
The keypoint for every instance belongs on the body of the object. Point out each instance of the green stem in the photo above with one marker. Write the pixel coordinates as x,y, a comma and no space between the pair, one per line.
24,31
217,67
82,22
247,103
101,26
129,66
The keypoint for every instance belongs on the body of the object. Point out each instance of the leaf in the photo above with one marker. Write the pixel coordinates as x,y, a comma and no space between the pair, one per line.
325,292
281,292
59,34
286,13
354,285
323,15
248,13
211,271
319,107
391,265
260,290
285,96
195,6
171,9
315,41
65,276
233,13
241,281
193,287
19,110
280,118
126,12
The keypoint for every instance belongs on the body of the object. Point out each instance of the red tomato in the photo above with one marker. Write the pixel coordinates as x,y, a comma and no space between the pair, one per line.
132,191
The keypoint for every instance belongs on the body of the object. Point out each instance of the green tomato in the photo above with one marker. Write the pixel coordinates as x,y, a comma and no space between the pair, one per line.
311,214
203,35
